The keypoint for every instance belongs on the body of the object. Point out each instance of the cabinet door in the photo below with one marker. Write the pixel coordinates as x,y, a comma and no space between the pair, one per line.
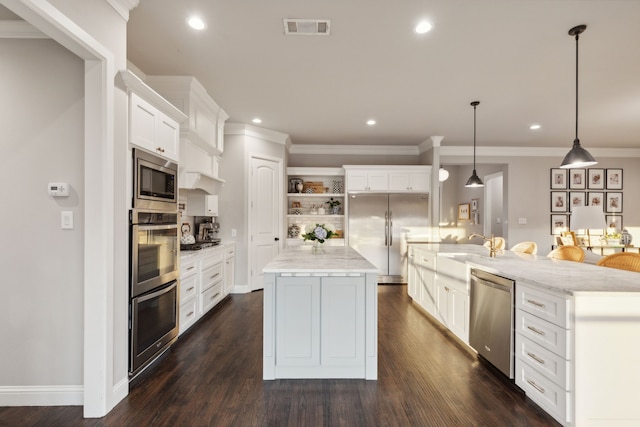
298,321
427,284
343,321
142,123
168,137
442,306
412,272
420,182
399,181
377,181
357,181
458,314
229,274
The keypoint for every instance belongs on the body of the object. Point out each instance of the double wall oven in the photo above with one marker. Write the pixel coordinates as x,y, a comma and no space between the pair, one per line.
154,262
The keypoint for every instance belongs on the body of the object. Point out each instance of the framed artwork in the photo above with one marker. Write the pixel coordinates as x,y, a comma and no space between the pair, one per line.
463,211
558,179
474,205
559,202
595,179
577,179
595,198
559,223
577,198
568,238
613,202
614,221
614,179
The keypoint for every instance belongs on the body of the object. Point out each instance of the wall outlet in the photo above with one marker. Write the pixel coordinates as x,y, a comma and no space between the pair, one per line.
522,221
234,232
498,220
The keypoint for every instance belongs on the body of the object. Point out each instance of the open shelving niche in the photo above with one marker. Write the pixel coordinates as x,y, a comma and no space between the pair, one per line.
332,179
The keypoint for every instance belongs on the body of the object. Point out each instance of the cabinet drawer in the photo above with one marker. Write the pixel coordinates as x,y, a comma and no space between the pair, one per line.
188,288
553,308
211,276
546,334
541,390
549,364
188,268
188,314
211,297
212,259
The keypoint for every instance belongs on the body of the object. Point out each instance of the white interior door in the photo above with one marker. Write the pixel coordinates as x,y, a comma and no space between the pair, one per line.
265,216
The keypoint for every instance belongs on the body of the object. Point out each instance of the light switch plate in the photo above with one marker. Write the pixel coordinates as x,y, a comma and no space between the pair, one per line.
66,220
522,221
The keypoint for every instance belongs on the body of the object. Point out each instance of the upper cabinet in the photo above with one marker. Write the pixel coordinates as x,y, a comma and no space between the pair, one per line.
154,123
205,126
384,179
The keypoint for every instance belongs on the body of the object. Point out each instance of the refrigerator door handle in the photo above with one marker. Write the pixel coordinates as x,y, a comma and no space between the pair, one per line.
390,232
386,228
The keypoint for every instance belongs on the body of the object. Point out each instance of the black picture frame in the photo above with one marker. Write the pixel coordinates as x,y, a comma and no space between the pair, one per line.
613,202
577,179
614,179
559,201
577,198
559,223
614,221
558,179
595,179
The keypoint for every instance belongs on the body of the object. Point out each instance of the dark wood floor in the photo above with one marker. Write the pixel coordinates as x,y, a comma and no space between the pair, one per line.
212,377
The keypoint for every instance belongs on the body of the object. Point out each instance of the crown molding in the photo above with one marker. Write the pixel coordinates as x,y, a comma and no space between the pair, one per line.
18,29
378,150
256,132
123,7
463,151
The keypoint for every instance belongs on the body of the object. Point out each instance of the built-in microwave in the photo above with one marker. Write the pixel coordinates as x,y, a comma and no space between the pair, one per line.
155,182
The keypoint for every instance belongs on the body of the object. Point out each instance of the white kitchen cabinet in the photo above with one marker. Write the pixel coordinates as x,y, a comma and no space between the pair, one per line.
412,273
452,280
229,268
320,324
426,287
409,181
393,179
153,123
202,204
189,289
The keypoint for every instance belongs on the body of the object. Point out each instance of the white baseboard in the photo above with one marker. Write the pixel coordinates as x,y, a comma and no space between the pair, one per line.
62,395
241,289
120,391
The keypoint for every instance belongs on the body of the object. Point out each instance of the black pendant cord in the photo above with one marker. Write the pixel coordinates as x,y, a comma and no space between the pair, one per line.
577,37
474,104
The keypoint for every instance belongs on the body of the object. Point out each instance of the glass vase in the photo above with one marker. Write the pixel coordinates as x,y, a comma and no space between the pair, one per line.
318,247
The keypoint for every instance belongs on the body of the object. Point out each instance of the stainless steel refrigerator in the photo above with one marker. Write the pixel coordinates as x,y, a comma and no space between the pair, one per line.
376,222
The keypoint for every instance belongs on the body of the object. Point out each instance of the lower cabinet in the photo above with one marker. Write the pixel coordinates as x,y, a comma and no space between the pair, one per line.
320,324
206,277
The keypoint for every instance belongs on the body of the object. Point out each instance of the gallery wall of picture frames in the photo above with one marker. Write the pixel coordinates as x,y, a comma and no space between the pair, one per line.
585,187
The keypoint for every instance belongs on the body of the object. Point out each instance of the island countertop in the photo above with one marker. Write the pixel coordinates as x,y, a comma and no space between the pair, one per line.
336,259
564,276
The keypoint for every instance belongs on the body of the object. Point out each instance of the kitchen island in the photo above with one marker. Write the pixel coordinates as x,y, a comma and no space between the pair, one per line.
320,315
576,327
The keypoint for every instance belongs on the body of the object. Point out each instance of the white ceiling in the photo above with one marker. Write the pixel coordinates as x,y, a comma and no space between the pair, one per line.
514,56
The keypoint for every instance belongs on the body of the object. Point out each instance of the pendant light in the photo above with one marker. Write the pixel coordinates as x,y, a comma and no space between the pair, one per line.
578,157
474,180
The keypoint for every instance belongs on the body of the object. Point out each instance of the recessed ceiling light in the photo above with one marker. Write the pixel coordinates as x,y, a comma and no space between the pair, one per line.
257,120
535,127
371,122
423,27
196,23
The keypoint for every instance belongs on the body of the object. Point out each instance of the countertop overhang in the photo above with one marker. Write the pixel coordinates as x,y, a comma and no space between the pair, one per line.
563,276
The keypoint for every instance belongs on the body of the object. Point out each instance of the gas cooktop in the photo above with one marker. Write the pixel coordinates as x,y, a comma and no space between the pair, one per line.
199,245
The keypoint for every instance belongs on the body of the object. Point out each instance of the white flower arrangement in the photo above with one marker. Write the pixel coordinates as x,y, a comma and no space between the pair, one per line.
319,232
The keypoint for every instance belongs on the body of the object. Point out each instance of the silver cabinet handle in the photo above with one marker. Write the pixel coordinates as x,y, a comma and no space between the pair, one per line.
214,276
190,314
190,289
537,331
536,358
536,386
536,303
191,268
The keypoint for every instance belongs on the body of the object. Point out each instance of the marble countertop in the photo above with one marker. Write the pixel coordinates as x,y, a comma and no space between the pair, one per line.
336,259
563,276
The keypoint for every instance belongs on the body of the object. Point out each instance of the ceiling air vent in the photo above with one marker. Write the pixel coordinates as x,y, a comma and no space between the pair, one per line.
307,27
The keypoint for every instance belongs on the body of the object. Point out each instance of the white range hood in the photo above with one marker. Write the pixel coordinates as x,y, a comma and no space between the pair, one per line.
200,181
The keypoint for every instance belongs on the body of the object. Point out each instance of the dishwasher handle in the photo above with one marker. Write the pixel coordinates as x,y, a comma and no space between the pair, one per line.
499,286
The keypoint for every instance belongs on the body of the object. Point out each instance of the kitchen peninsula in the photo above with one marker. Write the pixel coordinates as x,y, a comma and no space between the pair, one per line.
577,326
320,315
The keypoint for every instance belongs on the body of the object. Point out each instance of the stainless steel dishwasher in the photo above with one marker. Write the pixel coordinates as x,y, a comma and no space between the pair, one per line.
491,319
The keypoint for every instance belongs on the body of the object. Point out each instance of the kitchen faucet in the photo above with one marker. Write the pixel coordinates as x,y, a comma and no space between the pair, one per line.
492,243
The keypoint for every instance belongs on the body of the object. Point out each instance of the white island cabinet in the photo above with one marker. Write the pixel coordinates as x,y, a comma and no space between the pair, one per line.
320,315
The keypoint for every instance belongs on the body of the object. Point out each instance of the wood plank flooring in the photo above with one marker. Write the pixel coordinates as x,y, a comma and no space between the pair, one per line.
212,377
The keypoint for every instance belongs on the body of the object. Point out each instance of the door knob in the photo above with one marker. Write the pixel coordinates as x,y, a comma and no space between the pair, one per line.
276,239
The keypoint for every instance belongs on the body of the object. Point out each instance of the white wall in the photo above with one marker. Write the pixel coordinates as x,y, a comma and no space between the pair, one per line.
41,296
